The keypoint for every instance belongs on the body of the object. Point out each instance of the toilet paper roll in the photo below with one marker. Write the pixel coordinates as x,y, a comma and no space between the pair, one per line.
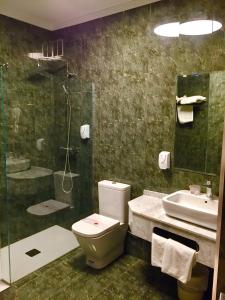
40,144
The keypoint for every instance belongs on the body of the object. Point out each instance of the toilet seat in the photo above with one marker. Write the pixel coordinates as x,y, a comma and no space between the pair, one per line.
94,225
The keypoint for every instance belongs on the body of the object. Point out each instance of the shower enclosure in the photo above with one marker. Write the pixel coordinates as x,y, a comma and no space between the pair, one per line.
46,167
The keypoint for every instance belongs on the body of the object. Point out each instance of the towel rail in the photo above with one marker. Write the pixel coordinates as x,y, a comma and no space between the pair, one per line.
178,238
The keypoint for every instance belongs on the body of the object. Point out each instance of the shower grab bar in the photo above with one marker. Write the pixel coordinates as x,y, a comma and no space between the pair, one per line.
6,125
178,238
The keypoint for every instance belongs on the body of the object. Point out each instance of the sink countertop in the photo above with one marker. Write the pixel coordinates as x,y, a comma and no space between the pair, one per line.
149,205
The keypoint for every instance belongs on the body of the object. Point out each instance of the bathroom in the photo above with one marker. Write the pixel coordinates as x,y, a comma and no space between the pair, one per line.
121,79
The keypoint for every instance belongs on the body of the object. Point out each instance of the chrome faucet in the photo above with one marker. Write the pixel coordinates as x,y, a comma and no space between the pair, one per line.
208,186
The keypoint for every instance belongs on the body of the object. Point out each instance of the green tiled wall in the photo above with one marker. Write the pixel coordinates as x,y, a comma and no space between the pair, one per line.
216,119
32,97
134,72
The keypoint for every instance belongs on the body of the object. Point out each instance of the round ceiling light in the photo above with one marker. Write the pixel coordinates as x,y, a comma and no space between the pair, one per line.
199,27
168,30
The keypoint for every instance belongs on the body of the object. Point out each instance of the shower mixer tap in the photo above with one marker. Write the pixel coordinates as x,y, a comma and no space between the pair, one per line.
73,150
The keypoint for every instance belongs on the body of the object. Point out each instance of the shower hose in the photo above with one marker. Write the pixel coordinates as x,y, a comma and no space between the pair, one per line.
69,188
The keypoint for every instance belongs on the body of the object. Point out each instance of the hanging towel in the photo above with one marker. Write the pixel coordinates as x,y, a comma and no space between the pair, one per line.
158,245
190,100
185,114
178,260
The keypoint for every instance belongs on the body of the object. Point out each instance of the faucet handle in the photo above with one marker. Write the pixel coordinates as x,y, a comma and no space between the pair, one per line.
208,184
209,189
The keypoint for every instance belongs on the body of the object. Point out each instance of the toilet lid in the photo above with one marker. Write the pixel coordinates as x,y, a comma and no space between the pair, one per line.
94,225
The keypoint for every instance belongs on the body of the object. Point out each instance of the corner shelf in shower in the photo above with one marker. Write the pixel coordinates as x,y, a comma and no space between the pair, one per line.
32,173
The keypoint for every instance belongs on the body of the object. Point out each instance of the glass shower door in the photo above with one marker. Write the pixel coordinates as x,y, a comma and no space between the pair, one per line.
5,270
41,203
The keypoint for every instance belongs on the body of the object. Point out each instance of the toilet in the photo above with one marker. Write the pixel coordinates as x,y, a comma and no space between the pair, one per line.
102,235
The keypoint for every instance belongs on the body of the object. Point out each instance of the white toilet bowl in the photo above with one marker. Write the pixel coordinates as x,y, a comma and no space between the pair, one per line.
102,235
102,239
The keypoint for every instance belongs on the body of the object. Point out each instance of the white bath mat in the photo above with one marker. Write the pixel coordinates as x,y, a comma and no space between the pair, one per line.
46,208
35,251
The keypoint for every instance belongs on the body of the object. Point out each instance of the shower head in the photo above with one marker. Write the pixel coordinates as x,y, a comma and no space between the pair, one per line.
65,90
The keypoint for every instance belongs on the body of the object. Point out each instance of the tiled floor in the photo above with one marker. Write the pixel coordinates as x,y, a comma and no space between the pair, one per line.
68,278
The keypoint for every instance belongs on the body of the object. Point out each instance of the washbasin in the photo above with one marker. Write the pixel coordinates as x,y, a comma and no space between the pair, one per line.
14,165
197,209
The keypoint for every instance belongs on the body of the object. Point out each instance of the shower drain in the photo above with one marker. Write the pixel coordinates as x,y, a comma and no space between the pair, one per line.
32,252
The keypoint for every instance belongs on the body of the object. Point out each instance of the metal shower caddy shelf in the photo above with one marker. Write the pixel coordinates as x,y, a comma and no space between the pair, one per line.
53,50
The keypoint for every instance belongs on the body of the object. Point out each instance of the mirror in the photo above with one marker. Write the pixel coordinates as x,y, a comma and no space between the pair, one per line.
200,107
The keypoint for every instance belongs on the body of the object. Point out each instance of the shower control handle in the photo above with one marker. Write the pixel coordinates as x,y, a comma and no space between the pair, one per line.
71,149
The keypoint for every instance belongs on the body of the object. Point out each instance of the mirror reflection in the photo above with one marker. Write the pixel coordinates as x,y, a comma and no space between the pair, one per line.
200,107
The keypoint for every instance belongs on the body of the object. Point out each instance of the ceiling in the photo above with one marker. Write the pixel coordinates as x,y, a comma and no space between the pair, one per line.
56,14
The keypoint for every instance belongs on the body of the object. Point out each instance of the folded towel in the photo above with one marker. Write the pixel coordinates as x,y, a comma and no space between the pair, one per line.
158,244
190,100
178,260
185,114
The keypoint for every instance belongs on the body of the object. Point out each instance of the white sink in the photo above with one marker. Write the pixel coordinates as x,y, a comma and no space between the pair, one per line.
197,209
14,165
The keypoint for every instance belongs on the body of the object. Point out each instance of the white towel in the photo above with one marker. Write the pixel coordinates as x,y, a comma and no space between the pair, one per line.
178,260
158,244
190,100
185,114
